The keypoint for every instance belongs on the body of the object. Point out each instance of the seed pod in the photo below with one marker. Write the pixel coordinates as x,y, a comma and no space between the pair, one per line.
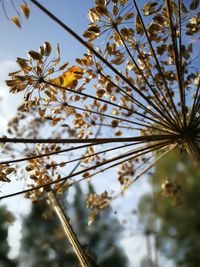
25,10
35,55
16,21
47,48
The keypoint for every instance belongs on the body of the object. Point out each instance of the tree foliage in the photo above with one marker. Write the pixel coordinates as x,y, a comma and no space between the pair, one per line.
170,213
44,244
6,218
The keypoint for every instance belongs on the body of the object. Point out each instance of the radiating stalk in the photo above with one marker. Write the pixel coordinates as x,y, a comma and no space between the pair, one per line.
194,150
157,63
108,102
149,138
161,112
177,62
71,236
91,49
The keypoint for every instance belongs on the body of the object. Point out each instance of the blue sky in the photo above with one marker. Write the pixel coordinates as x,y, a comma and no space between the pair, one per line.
40,28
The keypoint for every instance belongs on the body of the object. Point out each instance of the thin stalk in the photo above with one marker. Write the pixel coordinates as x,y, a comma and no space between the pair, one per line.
92,155
194,106
119,126
159,91
140,105
120,119
157,63
177,63
47,185
105,101
135,101
181,62
155,106
45,154
145,150
71,236
90,48
149,138
193,149
148,167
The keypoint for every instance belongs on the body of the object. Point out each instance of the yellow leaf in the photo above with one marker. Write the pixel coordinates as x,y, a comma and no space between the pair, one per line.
70,76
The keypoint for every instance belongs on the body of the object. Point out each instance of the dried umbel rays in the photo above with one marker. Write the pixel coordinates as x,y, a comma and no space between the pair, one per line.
132,98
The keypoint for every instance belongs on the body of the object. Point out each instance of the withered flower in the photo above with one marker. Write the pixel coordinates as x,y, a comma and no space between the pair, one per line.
134,98
34,71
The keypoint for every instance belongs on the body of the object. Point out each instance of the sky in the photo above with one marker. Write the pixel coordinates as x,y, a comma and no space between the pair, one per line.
15,43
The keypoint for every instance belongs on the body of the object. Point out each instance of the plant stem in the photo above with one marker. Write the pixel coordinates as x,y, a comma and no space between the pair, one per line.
68,229
139,138
194,150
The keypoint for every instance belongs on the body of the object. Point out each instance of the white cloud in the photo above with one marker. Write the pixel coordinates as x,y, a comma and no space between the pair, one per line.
8,102
135,249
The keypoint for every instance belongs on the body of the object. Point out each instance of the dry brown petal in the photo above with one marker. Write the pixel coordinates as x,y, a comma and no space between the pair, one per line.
149,8
100,2
115,10
127,32
118,60
123,2
159,19
86,175
100,92
47,48
194,4
94,28
92,216
161,49
128,16
138,26
23,63
16,21
102,11
90,35
114,123
34,55
9,170
25,10
118,133
154,28
64,66
93,15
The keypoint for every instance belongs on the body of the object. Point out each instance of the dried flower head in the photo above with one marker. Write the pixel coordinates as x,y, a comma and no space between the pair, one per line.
134,98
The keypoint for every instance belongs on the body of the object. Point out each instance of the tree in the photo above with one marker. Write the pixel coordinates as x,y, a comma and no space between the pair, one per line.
44,244
174,209
5,219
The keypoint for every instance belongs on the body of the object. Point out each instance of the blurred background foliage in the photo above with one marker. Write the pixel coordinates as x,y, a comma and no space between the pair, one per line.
44,243
170,214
